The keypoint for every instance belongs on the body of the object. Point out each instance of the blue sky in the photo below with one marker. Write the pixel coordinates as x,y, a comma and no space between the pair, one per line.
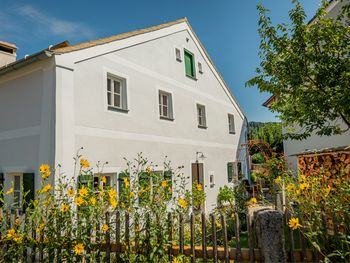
227,28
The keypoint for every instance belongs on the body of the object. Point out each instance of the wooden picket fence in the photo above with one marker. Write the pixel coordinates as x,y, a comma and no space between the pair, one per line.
297,247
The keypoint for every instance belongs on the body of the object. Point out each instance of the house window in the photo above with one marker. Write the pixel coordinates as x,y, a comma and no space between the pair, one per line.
202,122
189,64
178,54
116,93
200,69
211,179
165,106
98,182
231,124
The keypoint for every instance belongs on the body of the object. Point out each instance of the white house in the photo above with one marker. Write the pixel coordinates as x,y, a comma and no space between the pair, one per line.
153,90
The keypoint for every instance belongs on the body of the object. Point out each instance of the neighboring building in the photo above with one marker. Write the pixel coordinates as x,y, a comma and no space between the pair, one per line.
292,148
154,91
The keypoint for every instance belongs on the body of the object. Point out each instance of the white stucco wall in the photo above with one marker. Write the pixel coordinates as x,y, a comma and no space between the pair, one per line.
26,121
147,67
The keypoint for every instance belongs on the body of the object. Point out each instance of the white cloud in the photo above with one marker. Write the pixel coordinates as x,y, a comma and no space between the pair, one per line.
56,26
40,24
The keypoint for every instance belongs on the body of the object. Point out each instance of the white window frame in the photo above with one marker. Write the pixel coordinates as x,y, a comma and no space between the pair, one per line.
200,67
110,89
178,54
201,119
231,124
168,106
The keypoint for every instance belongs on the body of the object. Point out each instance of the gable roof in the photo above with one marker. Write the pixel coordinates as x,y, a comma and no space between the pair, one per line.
121,36
65,47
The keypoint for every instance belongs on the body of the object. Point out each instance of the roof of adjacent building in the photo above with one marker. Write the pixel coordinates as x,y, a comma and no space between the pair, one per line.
324,150
8,45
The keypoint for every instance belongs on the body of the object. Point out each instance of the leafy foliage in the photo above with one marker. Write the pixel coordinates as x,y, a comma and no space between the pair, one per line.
270,133
307,67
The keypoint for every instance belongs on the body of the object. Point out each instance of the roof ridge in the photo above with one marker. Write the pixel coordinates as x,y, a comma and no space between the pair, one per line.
105,40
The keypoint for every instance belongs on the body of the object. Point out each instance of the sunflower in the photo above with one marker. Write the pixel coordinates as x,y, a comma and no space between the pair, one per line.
294,223
79,249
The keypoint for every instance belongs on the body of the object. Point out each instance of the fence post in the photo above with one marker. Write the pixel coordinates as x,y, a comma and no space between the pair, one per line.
224,232
170,236
108,240
193,248
269,224
181,234
215,246
204,238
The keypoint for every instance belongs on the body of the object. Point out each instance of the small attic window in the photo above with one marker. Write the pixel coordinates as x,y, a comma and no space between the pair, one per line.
178,54
6,49
200,69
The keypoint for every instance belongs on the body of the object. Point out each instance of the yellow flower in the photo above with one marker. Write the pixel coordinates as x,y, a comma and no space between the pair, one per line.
302,178
304,186
113,202
278,179
164,184
93,200
126,182
10,191
199,187
45,171
182,203
79,201
83,191
17,238
79,249
148,170
252,201
10,233
112,193
70,192
291,188
105,227
47,188
294,223
17,221
65,208
84,163
40,228
101,194
132,194
104,179
176,260
328,190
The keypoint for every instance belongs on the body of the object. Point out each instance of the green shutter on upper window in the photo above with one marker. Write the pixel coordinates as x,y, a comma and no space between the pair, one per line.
28,189
189,64
229,172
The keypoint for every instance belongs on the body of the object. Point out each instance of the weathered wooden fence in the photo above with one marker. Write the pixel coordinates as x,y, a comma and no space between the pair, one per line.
221,238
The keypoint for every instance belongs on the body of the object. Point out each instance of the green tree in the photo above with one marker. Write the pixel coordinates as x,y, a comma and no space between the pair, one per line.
307,67
270,132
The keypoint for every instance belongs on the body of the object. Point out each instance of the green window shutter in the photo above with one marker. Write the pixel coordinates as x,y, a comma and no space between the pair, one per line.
229,172
86,180
28,189
189,64
2,179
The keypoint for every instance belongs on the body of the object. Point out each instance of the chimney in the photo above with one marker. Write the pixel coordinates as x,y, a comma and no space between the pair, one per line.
7,53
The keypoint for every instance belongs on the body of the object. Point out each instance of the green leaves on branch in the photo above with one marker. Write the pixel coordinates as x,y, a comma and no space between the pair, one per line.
307,67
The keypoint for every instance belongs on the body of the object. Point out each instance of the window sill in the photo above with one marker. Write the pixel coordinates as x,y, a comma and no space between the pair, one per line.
202,127
166,118
191,77
118,109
